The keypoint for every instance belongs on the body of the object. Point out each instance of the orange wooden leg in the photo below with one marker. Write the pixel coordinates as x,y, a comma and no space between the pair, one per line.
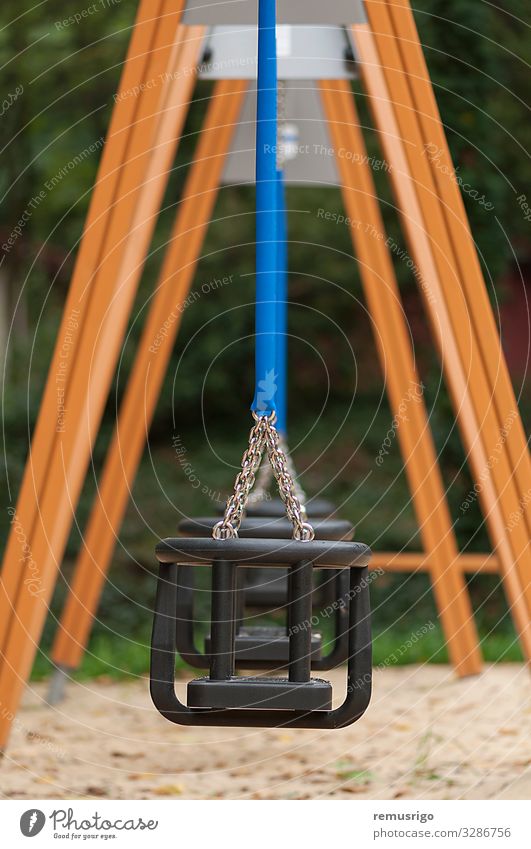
103,198
410,561
148,374
481,316
388,106
142,181
401,378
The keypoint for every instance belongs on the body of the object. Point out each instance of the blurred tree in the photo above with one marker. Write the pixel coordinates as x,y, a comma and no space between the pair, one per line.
65,74
477,75
58,78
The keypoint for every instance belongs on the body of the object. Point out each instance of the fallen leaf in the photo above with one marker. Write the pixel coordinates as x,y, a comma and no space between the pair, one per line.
168,790
401,726
96,791
40,738
354,788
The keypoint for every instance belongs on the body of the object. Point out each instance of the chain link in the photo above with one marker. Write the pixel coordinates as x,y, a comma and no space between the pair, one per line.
263,483
264,436
266,476
299,491
302,530
230,524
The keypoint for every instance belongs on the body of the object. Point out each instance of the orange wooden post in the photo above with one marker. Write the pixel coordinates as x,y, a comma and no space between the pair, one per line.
390,105
411,561
401,379
148,373
481,315
142,183
103,197
490,427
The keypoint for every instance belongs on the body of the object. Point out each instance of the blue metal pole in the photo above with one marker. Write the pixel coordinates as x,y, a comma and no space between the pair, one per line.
282,304
266,212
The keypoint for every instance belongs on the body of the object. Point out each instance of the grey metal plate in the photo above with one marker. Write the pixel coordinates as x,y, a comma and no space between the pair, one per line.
289,12
303,52
315,162
255,553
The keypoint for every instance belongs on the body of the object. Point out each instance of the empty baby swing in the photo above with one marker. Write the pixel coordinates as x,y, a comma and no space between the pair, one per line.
254,535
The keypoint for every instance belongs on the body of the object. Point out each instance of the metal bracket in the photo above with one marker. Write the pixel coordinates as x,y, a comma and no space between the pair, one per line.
304,52
289,12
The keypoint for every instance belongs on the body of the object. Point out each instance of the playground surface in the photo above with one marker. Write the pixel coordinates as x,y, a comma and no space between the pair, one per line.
426,735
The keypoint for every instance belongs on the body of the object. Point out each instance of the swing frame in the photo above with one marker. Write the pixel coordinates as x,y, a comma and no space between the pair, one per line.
140,145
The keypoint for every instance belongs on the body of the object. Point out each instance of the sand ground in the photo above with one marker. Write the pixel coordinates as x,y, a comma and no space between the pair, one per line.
426,735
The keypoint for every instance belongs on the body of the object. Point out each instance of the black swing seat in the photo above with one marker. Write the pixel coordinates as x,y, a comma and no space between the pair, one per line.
266,647
222,698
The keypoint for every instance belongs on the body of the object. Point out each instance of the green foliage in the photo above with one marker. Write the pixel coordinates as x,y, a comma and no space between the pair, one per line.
477,54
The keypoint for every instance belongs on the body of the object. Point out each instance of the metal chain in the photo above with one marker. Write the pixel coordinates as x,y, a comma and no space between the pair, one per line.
299,491
230,524
263,435
265,478
302,530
